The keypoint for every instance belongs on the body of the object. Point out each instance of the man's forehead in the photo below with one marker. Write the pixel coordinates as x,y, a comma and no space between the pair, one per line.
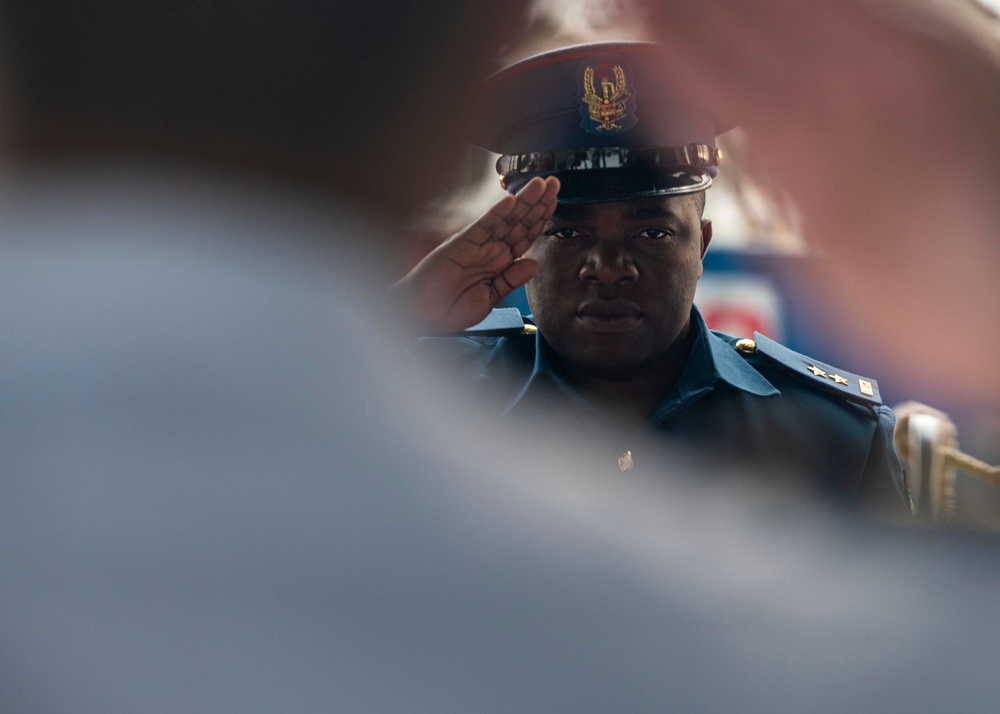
633,209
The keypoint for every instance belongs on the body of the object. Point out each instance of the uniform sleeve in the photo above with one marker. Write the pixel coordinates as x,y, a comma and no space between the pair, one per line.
883,486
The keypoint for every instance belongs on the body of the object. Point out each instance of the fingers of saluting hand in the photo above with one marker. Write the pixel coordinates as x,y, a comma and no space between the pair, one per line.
517,220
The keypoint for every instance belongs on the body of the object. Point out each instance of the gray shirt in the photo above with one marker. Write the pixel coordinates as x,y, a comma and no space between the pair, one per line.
222,493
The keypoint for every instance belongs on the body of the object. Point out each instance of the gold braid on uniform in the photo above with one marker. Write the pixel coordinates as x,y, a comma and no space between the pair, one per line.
972,465
947,457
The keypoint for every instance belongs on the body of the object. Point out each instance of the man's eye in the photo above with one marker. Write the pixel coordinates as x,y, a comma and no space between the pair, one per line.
564,233
653,234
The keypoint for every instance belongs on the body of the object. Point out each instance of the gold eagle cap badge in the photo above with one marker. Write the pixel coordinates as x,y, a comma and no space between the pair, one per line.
607,102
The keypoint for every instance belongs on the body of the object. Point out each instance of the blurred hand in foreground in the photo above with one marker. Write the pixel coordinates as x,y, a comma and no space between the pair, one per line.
882,120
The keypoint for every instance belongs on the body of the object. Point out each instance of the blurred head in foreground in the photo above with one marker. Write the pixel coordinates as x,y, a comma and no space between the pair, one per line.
363,100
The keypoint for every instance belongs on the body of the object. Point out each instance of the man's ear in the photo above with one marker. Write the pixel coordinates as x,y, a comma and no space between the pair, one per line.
706,235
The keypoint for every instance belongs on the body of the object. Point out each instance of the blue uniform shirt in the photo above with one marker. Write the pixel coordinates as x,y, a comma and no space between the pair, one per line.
756,404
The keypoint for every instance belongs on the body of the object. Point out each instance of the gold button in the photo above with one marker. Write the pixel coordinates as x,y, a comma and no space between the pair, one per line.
626,462
747,347
529,329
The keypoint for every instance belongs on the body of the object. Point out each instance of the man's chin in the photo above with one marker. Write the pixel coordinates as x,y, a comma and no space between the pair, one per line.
609,365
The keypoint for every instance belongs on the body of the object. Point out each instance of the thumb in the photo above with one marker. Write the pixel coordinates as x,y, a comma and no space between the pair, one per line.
514,276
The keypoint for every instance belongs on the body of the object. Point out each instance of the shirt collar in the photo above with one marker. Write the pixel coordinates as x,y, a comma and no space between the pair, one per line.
727,365
544,378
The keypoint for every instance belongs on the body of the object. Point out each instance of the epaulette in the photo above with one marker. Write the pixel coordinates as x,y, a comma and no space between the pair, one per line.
819,374
501,322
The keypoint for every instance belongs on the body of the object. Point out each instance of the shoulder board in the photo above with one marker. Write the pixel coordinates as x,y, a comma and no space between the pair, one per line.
501,322
820,374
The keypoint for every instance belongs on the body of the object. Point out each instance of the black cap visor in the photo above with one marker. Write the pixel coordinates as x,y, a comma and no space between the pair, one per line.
619,184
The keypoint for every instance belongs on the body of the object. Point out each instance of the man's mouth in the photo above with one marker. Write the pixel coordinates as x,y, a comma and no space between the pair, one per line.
609,316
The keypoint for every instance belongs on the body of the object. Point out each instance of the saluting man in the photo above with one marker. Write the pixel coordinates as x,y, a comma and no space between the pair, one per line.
606,172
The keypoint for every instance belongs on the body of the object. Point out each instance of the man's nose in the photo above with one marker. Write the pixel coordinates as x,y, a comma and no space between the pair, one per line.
609,264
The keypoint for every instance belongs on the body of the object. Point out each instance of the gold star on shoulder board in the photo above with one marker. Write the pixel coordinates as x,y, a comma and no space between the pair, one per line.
816,370
838,379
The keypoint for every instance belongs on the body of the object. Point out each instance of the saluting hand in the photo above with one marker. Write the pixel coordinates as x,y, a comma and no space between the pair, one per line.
461,280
